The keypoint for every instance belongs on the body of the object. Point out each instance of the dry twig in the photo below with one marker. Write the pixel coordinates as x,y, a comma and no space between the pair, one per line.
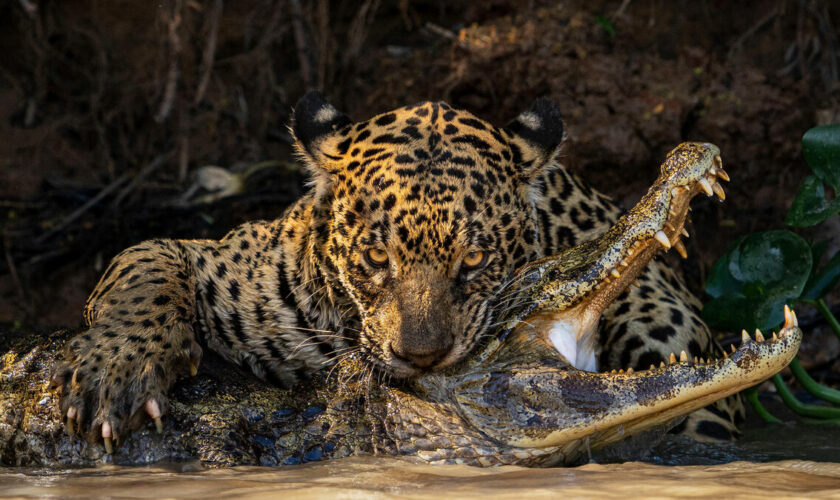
110,188
209,54
302,43
140,177
171,87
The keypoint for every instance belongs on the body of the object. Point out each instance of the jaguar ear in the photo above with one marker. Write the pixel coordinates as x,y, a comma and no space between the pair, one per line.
317,126
535,137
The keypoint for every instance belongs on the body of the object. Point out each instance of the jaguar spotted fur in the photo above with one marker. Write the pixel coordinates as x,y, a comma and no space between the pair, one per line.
413,224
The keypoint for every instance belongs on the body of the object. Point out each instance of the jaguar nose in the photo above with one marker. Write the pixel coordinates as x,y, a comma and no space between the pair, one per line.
421,358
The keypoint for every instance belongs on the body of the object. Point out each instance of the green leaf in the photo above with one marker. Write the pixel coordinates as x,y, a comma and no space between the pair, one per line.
817,251
753,281
720,281
810,207
821,147
606,24
824,280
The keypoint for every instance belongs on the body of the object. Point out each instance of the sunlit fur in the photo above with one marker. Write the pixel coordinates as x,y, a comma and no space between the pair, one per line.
428,184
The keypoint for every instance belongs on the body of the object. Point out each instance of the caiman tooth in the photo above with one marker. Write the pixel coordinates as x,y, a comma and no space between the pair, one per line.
790,318
733,348
636,283
706,185
775,337
725,354
718,189
614,272
745,337
672,359
683,357
703,361
621,371
663,239
662,364
670,227
696,361
624,263
652,367
684,232
722,175
758,336
630,371
680,248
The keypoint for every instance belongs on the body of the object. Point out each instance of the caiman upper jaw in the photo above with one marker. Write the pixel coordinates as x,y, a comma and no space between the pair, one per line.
576,285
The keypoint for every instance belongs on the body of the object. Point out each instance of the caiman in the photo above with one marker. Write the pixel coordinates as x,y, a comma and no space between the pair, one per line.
517,400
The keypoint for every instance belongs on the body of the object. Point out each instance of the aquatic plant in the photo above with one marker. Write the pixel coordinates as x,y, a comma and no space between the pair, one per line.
762,272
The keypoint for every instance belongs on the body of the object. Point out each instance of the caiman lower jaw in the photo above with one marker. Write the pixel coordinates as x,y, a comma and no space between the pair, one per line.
645,399
656,223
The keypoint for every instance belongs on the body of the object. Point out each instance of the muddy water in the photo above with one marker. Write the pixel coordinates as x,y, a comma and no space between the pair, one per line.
771,462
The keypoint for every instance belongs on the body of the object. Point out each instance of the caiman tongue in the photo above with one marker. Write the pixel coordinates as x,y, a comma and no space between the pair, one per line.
567,293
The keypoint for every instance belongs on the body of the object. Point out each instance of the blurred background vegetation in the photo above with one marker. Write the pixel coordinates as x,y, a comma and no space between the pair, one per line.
126,120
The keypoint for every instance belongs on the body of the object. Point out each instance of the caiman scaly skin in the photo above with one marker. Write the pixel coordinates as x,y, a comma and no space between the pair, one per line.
517,400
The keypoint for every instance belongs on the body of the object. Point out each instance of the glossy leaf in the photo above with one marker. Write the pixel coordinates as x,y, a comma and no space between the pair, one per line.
821,148
824,280
810,207
753,281
720,280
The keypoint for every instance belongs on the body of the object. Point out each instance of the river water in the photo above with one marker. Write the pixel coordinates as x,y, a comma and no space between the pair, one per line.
787,461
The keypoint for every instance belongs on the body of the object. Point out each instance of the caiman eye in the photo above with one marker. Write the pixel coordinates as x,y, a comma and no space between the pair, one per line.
473,260
376,257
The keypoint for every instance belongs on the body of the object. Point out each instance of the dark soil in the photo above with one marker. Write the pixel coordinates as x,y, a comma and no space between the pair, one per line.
121,97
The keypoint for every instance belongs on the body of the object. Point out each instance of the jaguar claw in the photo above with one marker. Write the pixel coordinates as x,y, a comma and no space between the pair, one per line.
71,421
107,437
153,409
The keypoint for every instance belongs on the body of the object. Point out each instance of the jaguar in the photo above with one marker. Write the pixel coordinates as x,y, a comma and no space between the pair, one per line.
398,255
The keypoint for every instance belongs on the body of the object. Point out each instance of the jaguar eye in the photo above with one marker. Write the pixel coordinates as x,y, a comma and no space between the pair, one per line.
376,257
474,260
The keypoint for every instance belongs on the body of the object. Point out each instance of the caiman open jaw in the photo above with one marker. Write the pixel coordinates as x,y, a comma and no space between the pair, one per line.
552,414
572,289
546,408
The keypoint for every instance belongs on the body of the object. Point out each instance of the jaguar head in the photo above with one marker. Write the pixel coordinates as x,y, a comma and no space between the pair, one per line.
421,214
